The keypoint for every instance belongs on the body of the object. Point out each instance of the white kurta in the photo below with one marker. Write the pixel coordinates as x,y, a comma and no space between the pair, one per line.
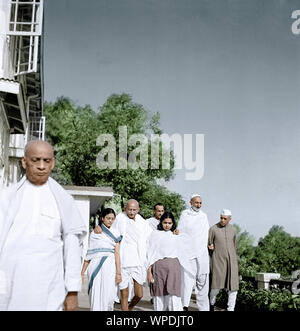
133,247
195,225
153,222
33,272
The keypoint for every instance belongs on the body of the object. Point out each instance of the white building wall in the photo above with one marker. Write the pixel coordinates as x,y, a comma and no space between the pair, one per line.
83,204
4,148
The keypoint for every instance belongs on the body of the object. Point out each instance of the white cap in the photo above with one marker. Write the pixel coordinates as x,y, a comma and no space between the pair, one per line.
195,195
226,212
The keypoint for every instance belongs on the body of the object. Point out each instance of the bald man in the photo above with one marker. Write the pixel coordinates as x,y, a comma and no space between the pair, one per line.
133,249
40,238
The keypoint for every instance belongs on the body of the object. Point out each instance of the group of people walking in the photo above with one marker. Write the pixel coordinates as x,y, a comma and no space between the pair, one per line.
41,235
173,259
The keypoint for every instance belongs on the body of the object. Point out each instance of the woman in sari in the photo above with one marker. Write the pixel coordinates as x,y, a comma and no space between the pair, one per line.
102,263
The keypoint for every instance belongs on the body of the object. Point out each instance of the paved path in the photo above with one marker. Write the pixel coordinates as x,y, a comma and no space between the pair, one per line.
143,305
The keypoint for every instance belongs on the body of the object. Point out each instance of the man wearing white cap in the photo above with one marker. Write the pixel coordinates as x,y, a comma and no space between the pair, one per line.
224,261
193,222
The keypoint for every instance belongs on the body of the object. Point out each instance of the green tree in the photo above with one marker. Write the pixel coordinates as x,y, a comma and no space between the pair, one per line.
278,252
74,130
245,250
172,201
120,111
245,241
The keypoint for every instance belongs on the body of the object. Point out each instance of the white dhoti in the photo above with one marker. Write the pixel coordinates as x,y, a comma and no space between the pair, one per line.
129,274
198,281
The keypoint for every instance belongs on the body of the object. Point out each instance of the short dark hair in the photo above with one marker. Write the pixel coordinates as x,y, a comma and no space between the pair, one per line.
105,212
158,204
166,214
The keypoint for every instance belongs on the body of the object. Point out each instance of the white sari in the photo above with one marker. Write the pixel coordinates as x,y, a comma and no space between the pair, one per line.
102,269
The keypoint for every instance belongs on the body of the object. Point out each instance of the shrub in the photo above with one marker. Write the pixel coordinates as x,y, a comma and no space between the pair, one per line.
251,299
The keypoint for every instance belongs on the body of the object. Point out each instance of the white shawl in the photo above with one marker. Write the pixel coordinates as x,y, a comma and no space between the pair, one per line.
164,244
134,233
10,200
100,244
195,226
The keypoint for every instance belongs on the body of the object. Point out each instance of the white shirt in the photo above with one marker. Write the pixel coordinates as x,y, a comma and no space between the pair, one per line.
153,222
196,226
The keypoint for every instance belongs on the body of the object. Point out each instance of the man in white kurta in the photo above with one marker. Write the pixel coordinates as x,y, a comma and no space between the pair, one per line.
153,221
194,223
158,210
41,231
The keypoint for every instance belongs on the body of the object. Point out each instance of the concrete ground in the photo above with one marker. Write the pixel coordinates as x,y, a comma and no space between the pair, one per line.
143,305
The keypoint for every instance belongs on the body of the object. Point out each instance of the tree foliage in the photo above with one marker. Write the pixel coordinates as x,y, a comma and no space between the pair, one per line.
73,130
171,201
277,252
249,298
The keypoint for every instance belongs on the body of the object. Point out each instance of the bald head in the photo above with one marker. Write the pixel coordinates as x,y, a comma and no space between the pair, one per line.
132,202
38,161
132,208
40,144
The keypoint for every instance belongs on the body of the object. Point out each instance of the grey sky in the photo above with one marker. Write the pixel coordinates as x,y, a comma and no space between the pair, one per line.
229,69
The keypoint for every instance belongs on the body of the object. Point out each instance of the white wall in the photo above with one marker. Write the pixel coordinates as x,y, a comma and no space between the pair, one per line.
4,148
83,204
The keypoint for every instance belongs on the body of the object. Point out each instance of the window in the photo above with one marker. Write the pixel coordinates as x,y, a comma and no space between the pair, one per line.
36,129
25,28
26,53
26,17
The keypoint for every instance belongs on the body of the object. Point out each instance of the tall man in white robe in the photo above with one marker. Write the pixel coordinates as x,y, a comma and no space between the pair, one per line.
158,210
194,223
40,239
